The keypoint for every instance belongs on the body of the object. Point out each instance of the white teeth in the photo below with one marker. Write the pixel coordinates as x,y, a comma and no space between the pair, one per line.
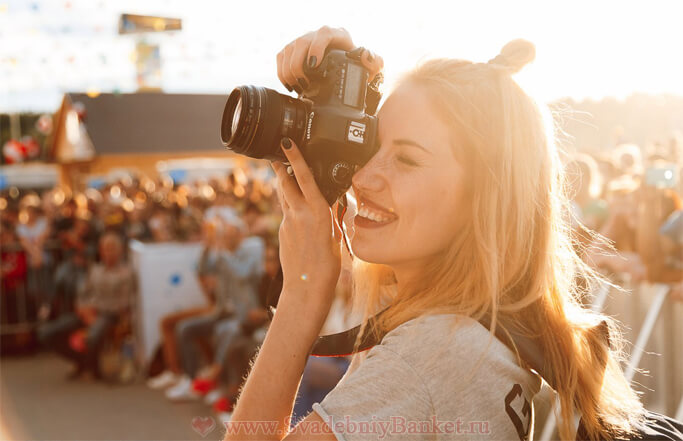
373,216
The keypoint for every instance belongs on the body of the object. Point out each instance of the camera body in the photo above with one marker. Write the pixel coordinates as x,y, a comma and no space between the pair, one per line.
332,122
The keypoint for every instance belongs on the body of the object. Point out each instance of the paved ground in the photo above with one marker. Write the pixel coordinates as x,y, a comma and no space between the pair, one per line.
38,403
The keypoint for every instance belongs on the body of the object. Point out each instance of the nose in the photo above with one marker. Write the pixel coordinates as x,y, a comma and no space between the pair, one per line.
371,178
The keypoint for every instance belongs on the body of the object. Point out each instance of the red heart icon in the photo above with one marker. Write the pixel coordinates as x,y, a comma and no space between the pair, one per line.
203,425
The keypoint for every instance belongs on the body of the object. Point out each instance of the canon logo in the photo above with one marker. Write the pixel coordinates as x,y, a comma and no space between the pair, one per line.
308,126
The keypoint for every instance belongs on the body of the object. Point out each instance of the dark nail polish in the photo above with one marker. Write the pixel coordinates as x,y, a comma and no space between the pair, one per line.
288,87
286,143
297,89
312,61
304,83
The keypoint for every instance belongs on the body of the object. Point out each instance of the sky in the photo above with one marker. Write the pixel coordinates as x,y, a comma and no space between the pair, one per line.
584,49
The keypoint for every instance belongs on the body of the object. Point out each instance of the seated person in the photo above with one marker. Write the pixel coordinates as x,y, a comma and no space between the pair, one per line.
106,297
239,263
233,337
69,276
206,273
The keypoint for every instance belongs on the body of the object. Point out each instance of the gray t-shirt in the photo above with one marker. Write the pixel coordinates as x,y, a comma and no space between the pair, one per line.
429,380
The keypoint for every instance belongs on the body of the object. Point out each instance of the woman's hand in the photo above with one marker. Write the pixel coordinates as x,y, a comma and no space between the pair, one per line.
309,244
310,49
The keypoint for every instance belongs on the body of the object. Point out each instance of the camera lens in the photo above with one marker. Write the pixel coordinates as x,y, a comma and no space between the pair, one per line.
255,119
236,116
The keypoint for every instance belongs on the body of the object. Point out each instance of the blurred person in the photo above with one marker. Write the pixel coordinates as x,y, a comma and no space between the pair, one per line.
628,159
672,244
256,222
189,225
64,218
104,300
49,208
80,237
655,206
136,227
239,265
207,274
621,223
586,191
13,270
114,218
70,276
619,228
33,232
13,263
230,334
161,225
10,214
607,169
461,216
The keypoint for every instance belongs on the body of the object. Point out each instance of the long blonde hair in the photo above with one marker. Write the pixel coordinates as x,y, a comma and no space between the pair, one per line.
514,259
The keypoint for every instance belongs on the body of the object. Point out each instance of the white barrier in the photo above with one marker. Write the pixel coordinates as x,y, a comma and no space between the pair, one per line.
167,283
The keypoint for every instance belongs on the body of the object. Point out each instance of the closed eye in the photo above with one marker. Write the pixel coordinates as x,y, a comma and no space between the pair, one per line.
406,160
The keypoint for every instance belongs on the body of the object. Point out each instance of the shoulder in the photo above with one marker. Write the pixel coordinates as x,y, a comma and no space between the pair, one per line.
422,335
430,347
458,353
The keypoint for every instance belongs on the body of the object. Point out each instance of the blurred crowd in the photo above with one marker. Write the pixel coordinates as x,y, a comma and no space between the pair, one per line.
46,234
66,269
66,266
631,196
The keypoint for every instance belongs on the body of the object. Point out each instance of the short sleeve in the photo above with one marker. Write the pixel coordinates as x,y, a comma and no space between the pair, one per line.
382,392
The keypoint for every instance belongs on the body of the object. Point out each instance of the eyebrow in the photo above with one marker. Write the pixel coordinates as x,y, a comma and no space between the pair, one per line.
403,141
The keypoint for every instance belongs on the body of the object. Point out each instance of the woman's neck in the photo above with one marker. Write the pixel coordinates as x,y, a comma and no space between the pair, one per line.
407,272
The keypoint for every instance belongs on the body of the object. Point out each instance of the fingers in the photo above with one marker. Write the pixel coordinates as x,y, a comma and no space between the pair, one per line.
324,37
288,191
281,199
298,58
309,188
308,49
372,62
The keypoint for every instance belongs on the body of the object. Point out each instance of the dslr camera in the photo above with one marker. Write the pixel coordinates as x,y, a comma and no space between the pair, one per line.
332,121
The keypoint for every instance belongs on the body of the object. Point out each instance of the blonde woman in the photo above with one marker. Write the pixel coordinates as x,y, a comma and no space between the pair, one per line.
461,217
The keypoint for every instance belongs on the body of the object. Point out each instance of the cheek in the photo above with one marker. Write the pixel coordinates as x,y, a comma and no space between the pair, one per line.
431,212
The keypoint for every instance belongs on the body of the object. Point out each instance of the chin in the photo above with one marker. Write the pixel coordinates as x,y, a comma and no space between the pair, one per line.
369,252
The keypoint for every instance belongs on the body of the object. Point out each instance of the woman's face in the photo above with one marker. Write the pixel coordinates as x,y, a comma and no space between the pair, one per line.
413,185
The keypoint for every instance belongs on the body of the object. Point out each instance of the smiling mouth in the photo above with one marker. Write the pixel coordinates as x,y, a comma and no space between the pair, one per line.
371,214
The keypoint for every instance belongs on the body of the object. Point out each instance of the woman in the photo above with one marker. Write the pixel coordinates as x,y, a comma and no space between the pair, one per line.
461,215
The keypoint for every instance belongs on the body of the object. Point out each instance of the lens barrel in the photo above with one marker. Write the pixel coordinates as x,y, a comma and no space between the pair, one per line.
255,119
